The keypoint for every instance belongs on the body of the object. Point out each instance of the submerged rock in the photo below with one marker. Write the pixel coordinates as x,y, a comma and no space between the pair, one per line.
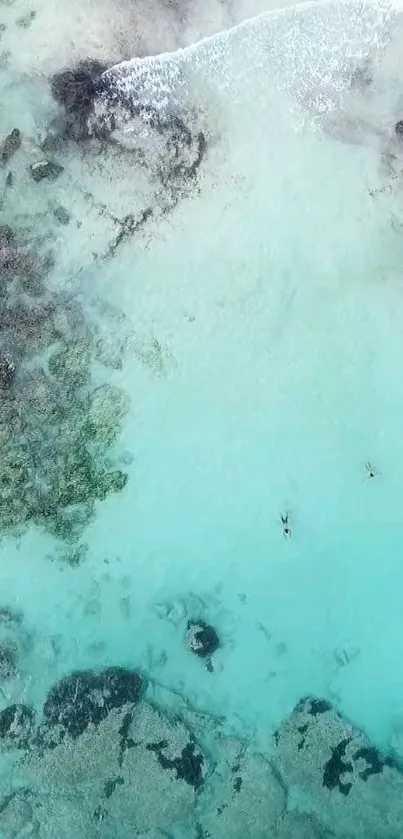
202,639
128,767
10,145
171,147
8,662
75,89
107,407
136,105
46,169
62,215
71,364
245,799
86,698
7,370
399,130
16,725
353,789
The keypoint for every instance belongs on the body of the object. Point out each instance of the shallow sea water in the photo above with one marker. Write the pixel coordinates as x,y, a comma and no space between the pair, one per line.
263,317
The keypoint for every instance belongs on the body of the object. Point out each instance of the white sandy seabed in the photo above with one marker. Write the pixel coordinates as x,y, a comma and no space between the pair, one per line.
264,372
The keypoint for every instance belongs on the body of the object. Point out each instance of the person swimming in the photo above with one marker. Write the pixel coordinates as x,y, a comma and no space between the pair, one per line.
285,521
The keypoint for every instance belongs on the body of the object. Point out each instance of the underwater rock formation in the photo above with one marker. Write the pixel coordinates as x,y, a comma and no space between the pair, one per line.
245,800
202,639
352,787
107,762
125,105
8,662
10,146
54,430
45,170
7,370
86,698
16,725
75,89
123,761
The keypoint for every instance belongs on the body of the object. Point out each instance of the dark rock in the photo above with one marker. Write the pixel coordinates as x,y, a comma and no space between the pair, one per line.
399,129
85,697
335,768
75,89
314,706
7,370
62,216
202,639
8,663
325,755
16,723
188,767
10,616
111,785
10,145
7,235
46,169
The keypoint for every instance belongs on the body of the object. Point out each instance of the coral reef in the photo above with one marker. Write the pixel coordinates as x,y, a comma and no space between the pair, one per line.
55,430
86,698
124,762
353,789
107,762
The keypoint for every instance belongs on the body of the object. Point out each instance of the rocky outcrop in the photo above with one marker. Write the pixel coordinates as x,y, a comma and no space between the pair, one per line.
102,757
201,638
245,799
104,761
55,429
134,104
354,789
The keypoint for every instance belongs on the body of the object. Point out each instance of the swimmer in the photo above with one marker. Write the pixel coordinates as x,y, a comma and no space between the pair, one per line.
399,130
285,521
371,473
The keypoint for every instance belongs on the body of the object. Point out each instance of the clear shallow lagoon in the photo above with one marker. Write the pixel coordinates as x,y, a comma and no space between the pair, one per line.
255,323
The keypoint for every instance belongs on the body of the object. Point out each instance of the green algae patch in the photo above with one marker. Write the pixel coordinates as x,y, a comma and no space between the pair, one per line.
106,409
71,364
55,429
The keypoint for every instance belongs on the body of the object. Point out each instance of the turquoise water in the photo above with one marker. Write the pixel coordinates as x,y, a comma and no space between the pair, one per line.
254,324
